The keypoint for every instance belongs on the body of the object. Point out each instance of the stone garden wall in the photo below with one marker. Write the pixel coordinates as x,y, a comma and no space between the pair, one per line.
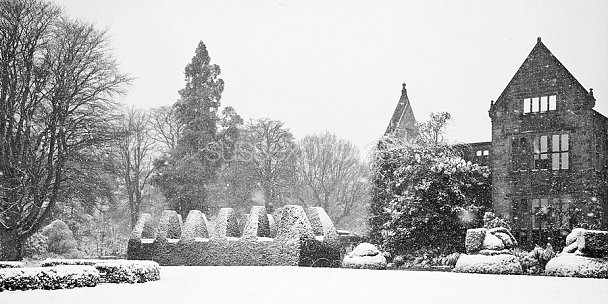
292,237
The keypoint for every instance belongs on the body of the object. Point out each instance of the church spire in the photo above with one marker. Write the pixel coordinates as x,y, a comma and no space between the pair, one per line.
403,122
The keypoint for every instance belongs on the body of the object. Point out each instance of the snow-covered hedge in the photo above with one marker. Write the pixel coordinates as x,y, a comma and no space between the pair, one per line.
490,264
571,265
10,264
295,243
115,271
48,277
129,271
61,262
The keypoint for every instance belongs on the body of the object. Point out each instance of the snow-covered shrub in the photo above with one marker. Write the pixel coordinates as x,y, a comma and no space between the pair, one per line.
10,264
491,264
451,259
58,262
529,265
490,220
572,265
60,239
48,277
365,256
534,262
129,271
398,261
35,246
426,259
115,271
425,196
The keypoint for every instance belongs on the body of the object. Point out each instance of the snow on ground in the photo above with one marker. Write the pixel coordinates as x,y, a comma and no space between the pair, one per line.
180,285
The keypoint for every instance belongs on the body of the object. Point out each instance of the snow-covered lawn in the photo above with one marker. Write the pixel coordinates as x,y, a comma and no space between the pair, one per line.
179,285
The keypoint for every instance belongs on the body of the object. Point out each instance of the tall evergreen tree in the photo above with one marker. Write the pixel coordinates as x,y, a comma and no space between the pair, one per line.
206,139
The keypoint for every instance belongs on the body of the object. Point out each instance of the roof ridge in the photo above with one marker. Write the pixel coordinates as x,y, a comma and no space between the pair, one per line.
538,47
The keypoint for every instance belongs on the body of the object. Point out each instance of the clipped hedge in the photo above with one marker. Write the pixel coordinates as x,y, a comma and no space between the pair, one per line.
11,264
294,244
63,262
48,277
129,271
115,271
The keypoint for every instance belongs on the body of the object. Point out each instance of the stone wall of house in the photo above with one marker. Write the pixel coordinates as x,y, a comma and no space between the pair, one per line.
584,182
478,153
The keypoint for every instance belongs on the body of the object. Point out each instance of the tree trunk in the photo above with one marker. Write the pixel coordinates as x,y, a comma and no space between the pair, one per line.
10,246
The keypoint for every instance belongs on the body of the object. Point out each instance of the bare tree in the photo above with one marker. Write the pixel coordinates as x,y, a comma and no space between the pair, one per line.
433,130
273,157
262,168
331,175
166,128
136,149
57,80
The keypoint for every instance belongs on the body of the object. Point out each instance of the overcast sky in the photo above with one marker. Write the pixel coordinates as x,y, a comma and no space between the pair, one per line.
338,65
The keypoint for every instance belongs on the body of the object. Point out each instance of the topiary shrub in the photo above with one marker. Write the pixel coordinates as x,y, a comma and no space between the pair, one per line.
59,262
115,271
48,277
60,239
226,224
196,226
169,225
128,271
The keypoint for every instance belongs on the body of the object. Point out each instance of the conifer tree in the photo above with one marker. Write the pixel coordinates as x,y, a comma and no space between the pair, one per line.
206,139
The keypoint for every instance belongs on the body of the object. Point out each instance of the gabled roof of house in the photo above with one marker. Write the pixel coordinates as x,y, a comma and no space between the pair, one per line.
403,122
540,51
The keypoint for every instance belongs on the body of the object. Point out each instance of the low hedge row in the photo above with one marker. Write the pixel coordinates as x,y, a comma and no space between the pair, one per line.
10,264
48,277
116,271
129,271
63,262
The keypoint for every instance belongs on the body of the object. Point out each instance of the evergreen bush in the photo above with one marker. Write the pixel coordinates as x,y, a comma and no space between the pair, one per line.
115,271
35,246
48,277
60,239
425,196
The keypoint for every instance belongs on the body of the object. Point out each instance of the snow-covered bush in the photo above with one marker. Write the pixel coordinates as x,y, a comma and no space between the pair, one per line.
490,264
365,256
115,271
10,264
572,265
451,259
60,239
398,261
129,271
59,262
48,277
534,262
425,196
35,246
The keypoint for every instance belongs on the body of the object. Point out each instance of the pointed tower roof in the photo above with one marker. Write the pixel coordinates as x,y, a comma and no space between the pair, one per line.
540,71
403,122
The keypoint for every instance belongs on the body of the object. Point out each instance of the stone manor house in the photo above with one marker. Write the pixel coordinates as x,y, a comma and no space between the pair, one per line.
549,150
